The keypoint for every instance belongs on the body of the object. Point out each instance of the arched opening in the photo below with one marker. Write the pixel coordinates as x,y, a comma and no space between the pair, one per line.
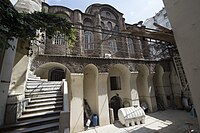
119,89
90,84
143,88
52,71
159,88
56,74
115,103
44,71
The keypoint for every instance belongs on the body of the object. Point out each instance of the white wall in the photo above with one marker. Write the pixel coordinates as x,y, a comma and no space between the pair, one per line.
124,74
76,108
103,100
134,92
5,76
185,20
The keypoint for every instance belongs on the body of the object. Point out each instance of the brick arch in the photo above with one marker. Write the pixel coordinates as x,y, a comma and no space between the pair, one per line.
44,69
76,64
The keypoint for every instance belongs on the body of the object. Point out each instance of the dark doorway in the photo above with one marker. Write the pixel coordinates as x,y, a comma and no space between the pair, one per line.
115,104
56,74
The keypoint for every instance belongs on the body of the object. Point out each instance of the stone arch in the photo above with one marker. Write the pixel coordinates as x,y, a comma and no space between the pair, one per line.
119,82
61,10
43,70
88,22
143,87
63,15
113,14
159,88
90,87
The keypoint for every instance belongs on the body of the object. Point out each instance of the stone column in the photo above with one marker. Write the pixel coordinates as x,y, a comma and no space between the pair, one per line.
158,83
79,46
152,93
134,92
76,107
103,100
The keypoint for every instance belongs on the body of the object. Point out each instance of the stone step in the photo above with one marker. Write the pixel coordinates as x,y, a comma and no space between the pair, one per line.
29,94
33,78
43,89
45,100
42,85
39,115
44,82
47,96
39,129
42,109
30,123
42,95
44,104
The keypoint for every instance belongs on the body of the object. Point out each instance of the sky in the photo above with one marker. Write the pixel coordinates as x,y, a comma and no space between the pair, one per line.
133,10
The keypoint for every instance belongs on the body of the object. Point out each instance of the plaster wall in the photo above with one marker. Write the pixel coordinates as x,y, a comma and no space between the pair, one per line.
19,75
124,93
143,86
76,107
103,100
90,82
5,76
187,40
134,92
151,90
167,88
158,83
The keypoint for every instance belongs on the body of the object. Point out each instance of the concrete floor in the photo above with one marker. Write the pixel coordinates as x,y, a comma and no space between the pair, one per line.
168,121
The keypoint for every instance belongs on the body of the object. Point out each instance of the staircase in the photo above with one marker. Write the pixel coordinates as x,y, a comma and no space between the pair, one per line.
43,110
180,73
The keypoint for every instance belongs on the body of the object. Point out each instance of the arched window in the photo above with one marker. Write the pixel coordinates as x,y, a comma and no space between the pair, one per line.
116,28
109,24
130,46
59,39
108,15
102,25
113,45
89,40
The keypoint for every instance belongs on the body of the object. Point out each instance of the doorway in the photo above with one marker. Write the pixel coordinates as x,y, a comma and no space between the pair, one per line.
56,74
115,104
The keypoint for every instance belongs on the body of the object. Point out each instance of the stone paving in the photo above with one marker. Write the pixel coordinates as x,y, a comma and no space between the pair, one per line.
168,121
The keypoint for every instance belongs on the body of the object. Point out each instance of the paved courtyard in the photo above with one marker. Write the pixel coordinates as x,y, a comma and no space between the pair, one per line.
168,121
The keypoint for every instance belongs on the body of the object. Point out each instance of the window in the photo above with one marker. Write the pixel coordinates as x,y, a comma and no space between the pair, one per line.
59,39
108,15
130,46
88,40
102,25
115,83
116,28
109,24
113,45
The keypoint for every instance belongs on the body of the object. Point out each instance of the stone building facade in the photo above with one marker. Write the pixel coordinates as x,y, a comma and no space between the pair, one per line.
105,62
